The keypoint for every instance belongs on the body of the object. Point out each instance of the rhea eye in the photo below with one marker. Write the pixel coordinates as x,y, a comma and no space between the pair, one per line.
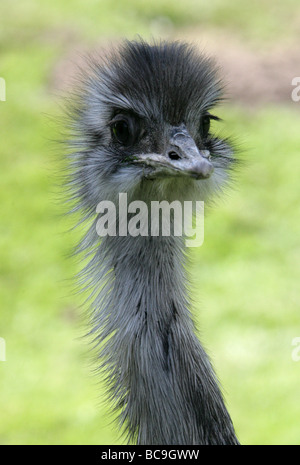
205,126
121,132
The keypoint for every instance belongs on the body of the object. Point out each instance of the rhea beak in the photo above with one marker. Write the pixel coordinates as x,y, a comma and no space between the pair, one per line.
181,158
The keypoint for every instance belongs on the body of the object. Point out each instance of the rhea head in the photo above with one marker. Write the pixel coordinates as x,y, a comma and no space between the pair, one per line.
143,124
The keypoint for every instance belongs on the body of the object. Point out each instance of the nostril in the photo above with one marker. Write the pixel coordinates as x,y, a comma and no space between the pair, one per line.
174,156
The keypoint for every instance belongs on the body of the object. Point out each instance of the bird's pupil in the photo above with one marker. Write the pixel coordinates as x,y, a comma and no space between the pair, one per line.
121,131
205,126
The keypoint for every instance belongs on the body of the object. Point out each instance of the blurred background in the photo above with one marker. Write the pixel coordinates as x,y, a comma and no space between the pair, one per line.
246,275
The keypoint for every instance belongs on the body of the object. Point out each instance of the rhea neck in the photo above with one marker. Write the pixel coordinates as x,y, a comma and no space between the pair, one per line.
160,375
150,281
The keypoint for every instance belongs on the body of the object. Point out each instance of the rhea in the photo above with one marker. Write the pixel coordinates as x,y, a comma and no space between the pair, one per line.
141,126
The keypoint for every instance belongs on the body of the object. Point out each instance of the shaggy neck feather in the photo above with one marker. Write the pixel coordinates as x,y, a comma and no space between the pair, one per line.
158,372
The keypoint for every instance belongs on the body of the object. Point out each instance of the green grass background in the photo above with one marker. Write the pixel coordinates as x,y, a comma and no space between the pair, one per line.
246,275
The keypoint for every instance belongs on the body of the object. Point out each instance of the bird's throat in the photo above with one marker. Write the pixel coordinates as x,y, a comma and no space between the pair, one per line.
160,375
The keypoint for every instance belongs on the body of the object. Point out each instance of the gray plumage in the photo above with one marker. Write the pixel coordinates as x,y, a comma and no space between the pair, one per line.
126,115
